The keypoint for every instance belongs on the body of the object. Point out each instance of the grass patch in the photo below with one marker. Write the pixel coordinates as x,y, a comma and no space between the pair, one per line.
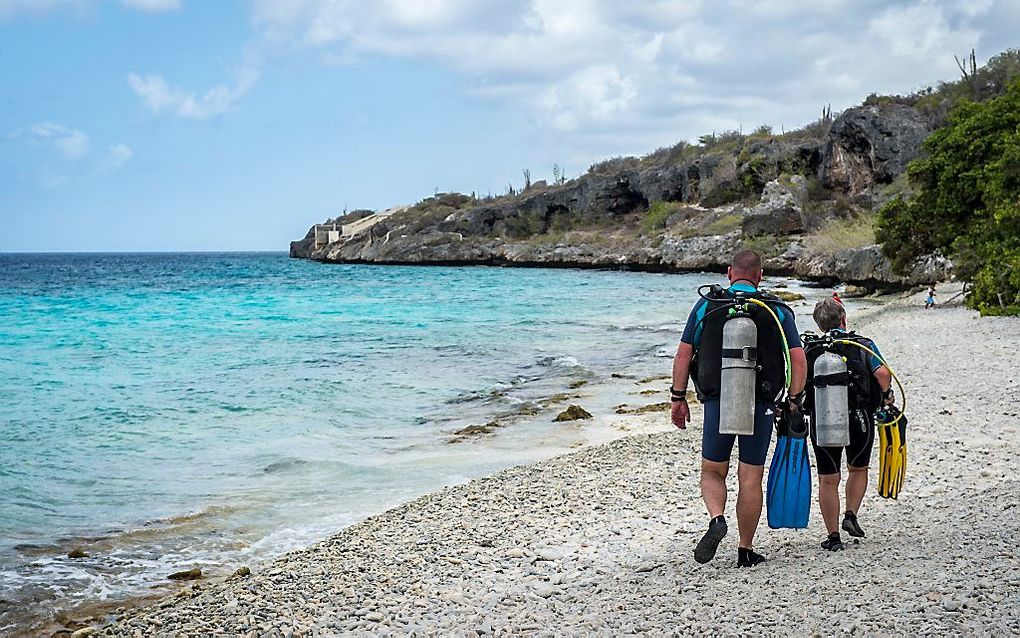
842,234
657,214
764,245
722,225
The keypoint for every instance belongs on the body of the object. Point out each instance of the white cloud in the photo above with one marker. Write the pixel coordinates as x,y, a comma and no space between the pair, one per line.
152,6
70,143
160,97
74,149
645,72
116,157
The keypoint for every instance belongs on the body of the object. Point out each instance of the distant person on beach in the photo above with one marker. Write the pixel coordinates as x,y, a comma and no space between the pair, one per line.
702,343
864,399
930,301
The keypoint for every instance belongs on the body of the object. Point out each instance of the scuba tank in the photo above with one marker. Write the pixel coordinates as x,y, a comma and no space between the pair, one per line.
738,375
831,406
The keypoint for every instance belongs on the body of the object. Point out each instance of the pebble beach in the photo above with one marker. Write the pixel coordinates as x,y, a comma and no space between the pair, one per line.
600,541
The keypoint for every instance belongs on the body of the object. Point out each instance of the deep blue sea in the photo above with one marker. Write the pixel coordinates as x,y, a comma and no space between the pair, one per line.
166,411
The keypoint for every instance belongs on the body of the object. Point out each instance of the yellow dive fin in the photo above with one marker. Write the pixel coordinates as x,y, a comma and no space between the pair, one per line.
892,456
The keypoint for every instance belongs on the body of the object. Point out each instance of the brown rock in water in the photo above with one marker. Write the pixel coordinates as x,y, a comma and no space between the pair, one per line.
189,574
661,377
577,384
786,295
242,572
573,413
643,409
77,552
854,291
478,429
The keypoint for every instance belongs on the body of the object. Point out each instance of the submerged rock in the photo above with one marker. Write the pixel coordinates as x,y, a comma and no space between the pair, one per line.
188,574
573,413
78,552
643,409
788,296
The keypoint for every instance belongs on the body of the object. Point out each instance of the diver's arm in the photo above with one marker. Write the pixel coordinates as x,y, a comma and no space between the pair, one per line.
681,412
798,371
884,378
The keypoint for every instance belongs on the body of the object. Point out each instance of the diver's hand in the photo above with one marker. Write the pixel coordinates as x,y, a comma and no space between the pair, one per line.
680,412
889,398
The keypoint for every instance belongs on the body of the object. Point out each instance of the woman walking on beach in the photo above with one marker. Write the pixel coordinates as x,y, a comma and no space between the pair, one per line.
863,399
703,336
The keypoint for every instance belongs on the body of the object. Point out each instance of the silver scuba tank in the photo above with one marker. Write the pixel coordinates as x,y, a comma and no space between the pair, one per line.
738,376
832,418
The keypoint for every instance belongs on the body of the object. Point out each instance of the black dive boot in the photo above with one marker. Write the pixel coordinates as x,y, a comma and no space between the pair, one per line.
748,557
850,525
833,543
705,551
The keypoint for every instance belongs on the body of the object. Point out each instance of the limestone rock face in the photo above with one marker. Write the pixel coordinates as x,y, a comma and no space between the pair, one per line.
781,210
601,219
871,145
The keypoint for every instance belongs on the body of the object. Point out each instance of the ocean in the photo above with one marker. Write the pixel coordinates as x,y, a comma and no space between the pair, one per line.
169,411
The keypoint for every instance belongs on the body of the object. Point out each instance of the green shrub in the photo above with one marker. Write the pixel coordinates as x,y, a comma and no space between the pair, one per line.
966,202
657,214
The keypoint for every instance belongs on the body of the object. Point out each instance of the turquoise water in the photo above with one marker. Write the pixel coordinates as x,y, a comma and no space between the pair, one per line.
171,410
166,411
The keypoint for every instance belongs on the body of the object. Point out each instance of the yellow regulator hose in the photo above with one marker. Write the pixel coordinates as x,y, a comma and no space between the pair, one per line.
782,333
903,394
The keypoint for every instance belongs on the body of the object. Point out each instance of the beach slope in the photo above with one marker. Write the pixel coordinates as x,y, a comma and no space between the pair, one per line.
601,540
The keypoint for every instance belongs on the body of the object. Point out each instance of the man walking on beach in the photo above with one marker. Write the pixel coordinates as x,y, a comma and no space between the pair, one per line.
864,398
705,327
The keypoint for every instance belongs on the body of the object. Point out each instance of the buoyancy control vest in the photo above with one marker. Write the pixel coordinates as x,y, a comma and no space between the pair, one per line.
863,389
706,368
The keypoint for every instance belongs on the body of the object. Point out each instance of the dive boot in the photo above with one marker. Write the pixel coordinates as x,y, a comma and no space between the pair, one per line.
748,557
709,543
850,525
833,543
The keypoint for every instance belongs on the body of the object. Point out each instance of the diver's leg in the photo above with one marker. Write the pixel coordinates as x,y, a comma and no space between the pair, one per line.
753,450
828,500
715,460
715,463
856,486
749,501
858,456
713,486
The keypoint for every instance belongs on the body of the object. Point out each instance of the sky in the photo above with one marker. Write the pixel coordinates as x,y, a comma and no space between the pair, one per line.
137,125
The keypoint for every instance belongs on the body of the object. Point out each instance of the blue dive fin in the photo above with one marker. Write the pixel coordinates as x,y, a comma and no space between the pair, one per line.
788,493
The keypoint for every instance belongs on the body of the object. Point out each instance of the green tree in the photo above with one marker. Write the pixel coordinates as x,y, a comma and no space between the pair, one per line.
966,202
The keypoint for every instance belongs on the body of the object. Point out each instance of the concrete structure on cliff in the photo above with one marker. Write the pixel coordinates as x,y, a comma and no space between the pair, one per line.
333,232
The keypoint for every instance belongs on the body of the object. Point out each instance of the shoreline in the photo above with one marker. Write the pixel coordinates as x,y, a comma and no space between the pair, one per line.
871,285
636,384
599,540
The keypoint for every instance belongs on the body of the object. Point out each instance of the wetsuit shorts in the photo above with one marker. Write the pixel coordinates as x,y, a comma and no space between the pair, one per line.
753,448
858,453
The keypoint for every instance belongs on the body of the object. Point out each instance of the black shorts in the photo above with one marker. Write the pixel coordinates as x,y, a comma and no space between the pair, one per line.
858,454
753,447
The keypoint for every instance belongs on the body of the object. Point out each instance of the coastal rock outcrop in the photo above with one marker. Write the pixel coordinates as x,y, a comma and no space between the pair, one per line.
872,144
781,209
680,209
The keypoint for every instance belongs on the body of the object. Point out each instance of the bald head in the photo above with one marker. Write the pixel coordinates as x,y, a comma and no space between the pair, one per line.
745,265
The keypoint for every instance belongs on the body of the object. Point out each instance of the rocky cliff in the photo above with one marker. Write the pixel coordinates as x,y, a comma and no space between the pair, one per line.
804,199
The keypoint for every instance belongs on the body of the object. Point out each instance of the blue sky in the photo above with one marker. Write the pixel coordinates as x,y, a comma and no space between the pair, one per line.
217,125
